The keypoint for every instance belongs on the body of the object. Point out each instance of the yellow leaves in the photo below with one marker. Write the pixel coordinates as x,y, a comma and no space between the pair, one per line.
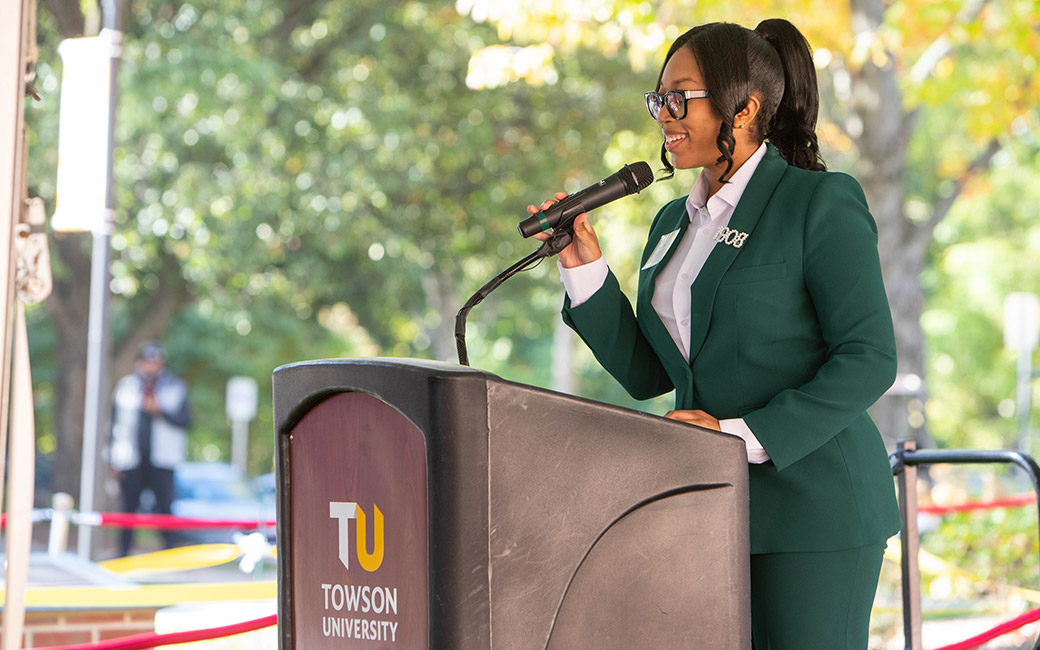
950,167
644,30
974,56
944,68
340,320
833,138
498,65
826,25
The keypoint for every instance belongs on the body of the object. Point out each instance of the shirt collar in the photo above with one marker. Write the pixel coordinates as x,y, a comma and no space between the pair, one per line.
699,206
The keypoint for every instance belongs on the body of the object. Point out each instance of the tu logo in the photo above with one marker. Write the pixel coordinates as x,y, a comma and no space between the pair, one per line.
344,512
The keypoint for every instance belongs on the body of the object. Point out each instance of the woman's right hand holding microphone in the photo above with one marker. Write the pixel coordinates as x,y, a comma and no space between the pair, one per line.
584,248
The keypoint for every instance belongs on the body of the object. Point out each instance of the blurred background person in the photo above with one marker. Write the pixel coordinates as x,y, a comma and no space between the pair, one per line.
149,434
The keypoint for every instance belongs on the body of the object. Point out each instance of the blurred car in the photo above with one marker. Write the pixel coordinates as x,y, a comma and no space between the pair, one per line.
218,491
264,486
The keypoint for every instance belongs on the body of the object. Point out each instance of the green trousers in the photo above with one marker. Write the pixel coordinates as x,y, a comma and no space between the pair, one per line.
814,601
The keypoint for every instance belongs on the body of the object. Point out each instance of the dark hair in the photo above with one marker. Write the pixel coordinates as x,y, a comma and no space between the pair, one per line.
774,63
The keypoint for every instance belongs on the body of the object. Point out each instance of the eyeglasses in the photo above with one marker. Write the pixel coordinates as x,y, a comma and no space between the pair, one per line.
675,100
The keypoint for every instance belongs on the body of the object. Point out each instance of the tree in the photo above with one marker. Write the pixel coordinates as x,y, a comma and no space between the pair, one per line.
306,179
892,76
331,179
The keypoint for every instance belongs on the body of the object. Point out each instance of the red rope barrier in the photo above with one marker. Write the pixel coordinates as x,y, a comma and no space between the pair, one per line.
152,640
1000,630
1024,499
145,520
173,522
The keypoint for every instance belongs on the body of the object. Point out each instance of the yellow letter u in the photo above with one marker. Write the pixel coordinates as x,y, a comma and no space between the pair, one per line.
369,561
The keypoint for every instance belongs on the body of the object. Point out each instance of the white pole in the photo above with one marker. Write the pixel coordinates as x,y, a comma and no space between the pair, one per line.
97,335
1022,334
240,406
58,539
239,443
1023,397
97,330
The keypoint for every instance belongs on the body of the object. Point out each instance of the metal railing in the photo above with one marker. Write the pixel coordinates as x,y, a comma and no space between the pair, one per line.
904,463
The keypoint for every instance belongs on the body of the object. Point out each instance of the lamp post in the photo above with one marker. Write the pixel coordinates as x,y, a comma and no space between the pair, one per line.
240,406
86,201
1021,334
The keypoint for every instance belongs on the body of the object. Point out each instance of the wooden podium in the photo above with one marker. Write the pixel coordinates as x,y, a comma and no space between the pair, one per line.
425,505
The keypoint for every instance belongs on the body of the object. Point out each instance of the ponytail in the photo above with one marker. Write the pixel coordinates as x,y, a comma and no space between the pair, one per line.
792,129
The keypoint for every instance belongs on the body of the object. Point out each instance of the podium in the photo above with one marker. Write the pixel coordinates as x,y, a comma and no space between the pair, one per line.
425,505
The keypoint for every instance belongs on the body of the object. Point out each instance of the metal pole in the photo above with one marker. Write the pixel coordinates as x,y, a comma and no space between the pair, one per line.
1023,397
909,544
97,334
239,443
58,539
905,459
97,331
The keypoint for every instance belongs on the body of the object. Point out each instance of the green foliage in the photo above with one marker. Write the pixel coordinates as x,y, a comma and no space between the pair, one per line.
997,546
988,247
321,181
326,179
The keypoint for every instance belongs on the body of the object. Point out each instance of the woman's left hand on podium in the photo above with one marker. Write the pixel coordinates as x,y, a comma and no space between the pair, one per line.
700,418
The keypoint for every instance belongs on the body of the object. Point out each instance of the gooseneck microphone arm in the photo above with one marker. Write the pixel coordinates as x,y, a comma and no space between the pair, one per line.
558,221
557,241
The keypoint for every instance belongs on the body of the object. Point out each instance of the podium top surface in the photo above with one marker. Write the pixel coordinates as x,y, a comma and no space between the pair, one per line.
299,386
402,382
425,391
440,367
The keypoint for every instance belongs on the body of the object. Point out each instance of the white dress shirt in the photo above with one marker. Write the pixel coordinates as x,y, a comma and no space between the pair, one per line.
671,299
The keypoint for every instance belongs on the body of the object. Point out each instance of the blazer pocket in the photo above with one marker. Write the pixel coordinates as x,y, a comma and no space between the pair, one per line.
755,273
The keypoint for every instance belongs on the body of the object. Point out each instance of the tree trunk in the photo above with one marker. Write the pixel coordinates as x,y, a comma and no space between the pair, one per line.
440,294
884,136
68,306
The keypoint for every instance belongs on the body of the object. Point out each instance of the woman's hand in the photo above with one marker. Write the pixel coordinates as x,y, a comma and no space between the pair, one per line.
700,418
585,246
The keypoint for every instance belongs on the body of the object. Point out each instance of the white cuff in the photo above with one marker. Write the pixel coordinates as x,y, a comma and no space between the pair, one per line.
582,282
756,453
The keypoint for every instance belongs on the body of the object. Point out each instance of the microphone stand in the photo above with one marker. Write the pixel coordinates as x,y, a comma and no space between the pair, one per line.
558,240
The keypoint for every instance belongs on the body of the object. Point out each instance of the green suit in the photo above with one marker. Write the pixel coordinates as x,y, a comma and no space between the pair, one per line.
790,331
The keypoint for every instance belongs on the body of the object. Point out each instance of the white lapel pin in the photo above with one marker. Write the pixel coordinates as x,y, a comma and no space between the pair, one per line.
730,237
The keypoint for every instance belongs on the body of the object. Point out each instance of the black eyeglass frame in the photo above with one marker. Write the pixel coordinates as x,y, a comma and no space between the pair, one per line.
661,101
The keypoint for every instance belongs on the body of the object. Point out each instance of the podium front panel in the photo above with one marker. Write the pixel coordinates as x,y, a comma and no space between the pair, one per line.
612,529
359,546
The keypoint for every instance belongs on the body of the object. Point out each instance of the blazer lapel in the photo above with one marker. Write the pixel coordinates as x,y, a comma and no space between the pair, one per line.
746,215
652,326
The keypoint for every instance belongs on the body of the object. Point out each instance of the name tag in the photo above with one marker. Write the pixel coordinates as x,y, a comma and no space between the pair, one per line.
661,250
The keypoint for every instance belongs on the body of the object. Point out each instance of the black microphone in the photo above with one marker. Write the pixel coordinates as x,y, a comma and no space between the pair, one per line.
634,177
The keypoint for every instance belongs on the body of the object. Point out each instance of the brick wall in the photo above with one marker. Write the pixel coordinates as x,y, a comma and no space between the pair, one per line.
67,627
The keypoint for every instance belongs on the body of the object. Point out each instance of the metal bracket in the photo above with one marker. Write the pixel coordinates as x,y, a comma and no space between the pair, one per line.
32,279
904,462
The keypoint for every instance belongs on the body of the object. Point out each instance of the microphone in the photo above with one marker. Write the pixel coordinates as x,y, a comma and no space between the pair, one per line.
634,177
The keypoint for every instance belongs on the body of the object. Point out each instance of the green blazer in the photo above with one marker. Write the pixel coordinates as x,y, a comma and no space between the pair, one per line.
792,332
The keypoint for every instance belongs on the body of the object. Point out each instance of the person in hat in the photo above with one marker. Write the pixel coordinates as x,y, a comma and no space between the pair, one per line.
149,434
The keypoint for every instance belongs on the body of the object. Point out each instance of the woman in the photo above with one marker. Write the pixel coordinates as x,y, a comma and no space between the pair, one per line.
761,304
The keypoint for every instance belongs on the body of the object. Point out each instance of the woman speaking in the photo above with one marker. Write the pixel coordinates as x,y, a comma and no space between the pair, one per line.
761,304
